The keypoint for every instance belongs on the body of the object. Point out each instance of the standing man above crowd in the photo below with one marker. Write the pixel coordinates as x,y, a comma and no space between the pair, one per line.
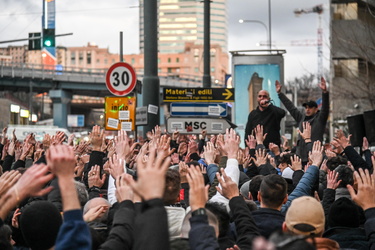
317,118
267,115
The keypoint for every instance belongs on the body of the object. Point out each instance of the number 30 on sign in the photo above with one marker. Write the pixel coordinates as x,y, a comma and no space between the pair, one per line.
120,79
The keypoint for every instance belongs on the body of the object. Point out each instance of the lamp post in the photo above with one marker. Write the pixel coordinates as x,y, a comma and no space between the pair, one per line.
261,23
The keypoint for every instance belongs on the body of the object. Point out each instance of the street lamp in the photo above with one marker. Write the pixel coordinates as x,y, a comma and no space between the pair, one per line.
261,23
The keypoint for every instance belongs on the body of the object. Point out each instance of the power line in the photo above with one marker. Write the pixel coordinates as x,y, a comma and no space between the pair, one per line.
68,11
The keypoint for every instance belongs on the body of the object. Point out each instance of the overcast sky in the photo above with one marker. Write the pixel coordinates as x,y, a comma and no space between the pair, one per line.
100,22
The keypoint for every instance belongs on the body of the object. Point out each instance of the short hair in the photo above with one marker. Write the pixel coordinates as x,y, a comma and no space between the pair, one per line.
334,162
345,174
254,186
273,190
185,228
285,158
83,195
5,237
220,211
172,187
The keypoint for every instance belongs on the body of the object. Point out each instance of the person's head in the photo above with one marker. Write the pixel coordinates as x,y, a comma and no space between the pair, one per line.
343,213
83,195
95,202
254,187
345,174
334,162
172,187
263,98
311,107
284,161
305,216
40,222
287,241
6,241
220,211
212,221
273,191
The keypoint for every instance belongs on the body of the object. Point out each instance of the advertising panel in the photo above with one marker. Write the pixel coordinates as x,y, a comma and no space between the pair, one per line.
252,73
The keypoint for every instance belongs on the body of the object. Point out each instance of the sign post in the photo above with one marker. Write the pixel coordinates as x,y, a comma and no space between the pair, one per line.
120,79
196,125
198,95
198,109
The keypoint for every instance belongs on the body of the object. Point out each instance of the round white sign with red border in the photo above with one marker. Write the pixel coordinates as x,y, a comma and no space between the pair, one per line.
120,79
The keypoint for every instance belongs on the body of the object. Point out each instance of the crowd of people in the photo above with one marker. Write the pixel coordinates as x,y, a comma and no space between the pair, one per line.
175,191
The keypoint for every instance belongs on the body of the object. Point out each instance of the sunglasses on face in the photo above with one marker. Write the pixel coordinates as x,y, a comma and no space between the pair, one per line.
260,96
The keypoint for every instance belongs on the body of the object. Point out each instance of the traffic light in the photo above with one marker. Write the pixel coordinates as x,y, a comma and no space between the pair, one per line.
48,37
34,41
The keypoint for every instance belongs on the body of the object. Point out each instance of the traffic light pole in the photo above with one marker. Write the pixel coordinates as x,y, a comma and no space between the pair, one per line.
32,38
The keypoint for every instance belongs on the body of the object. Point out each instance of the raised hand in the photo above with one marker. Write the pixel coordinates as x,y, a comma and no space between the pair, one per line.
316,155
260,157
209,153
198,193
116,166
364,197
123,190
163,147
95,178
7,180
151,175
96,137
306,134
323,85
232,142
229,188
278,86
259,136
296,163
332,182
95,213
341,139
122,144
251,142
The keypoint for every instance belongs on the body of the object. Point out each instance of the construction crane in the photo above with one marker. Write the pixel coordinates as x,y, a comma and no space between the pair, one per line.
319,10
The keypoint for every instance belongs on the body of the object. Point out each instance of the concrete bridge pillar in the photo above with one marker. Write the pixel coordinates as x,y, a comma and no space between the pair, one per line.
61,107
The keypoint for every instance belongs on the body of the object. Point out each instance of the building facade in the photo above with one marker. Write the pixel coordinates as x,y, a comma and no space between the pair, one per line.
181,21
352,58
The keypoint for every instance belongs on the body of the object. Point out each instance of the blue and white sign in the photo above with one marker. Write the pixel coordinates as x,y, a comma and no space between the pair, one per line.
198,109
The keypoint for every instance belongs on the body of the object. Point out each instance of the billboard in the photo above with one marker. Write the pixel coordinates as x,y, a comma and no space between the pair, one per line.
251,73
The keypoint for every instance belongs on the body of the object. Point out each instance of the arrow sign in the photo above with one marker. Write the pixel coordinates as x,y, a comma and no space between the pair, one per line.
196,125
198,109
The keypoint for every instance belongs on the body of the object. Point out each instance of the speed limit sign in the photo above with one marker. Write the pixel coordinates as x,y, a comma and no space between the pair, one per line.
120,79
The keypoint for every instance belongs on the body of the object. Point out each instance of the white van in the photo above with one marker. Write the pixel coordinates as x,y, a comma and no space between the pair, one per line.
38,130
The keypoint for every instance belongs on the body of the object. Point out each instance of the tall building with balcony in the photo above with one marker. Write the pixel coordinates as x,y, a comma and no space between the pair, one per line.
353,57
181,21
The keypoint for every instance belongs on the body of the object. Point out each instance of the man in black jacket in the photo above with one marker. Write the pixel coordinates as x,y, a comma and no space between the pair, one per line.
267,115
317,118
272,195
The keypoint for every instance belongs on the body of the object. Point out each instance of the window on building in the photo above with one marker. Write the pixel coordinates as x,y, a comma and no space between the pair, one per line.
133,61
169,59
88,59
80,57
212,69
196,70
177,60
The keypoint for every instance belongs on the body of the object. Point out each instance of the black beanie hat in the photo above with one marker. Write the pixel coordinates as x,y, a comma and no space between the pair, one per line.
40,223
343,213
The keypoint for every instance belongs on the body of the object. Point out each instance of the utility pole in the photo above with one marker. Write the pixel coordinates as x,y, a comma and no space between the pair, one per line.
206,45
151,83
